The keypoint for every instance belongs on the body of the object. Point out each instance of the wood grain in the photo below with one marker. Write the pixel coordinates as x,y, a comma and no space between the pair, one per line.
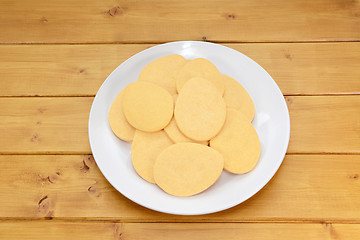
44,125
319,124
79,70
324,124
80,21
60,52
59,70
118,231
72,187
59,230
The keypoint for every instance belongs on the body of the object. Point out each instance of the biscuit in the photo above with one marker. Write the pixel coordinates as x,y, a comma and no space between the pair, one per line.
162,70
186,169
147,107
118,122
200,110
199,67
144,151
236,97
238,142
176,136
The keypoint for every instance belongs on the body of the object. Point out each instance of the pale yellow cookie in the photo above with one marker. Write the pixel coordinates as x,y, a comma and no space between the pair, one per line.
176,136
237,97
162,70
144,151
147,107
238,142
118,122
199,67
185,169
174,133
200,110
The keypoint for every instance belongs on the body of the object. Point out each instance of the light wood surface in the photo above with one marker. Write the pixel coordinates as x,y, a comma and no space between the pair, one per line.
74,21
59,125
79,70
67,187
145,231
54,56
44,125
324,124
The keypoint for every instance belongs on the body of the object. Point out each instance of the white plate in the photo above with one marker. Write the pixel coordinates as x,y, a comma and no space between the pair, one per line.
271,122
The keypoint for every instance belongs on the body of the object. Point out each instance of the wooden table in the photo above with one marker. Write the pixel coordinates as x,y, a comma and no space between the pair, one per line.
55,54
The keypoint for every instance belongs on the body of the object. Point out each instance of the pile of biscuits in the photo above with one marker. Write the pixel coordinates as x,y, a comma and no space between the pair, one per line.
187,122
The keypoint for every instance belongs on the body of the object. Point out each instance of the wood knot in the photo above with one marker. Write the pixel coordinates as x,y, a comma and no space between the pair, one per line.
354,176
115,11
41,200
49,180
204,38
82,70
89,158
44,206
46,179
44,20
331,230
41,110
230,16
85,167
289,100
34,138
92,189
117,232
49,215
288,56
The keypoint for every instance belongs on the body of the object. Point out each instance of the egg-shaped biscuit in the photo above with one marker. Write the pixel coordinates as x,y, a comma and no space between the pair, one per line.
199,67
237,97
144,151
176,136
147,106
174,133
238,142
118,122
186,169
200,110
161,71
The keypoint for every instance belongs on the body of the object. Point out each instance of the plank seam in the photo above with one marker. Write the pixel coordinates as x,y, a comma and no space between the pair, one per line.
270,221
161,42
90,153
92,95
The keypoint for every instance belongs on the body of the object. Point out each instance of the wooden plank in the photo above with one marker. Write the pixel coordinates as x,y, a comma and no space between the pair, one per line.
306,188
307,68
59,70
58,230
44,125
144,231
79,70
74,21
239,231
319,124
324,124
